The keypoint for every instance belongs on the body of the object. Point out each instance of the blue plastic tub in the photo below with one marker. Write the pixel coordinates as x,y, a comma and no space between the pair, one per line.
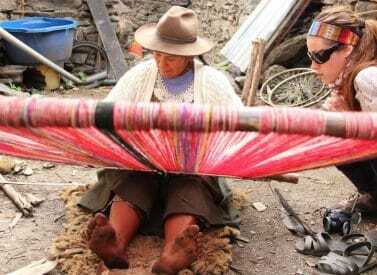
51,37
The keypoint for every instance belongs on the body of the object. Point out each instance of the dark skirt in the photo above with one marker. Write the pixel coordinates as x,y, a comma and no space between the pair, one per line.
363,175
157,196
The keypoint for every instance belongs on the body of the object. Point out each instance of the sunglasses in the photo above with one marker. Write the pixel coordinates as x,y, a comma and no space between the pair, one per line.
322,56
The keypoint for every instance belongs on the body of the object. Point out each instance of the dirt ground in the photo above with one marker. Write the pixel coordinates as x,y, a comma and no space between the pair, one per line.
271,246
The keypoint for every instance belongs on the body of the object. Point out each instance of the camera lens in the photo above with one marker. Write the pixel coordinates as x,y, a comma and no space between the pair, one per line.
346,228
327,224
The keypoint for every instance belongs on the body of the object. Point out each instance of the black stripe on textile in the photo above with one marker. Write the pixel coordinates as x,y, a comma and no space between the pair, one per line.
104,122
103,116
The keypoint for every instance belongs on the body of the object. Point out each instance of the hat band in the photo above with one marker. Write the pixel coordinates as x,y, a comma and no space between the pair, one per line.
176,40
334,33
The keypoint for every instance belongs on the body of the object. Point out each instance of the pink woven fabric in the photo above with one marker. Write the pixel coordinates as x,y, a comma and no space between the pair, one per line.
185,138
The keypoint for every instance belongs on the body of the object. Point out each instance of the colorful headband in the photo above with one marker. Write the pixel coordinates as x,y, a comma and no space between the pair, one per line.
334,33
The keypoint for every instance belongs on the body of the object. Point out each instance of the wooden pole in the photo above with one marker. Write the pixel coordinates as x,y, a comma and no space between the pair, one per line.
289,177
20,201
22,8
255,71
249,74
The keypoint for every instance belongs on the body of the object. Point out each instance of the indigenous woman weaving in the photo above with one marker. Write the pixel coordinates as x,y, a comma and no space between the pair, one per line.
177,206
343,50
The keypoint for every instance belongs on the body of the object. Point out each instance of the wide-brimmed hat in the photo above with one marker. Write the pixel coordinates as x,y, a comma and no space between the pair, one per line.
175,33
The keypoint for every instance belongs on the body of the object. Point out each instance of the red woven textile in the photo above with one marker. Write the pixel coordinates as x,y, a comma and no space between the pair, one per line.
247,143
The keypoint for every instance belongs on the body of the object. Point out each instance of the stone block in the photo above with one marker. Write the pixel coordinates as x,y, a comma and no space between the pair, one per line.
77,3
85,22
114,19
125,25
338,2
8,5
3,16
287,51
50,4
363,6
88,30
64,13
92,37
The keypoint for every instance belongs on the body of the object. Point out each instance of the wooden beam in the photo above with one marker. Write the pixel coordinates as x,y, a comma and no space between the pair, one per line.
289,177
249,75
19,201
256,70
254,73
108,37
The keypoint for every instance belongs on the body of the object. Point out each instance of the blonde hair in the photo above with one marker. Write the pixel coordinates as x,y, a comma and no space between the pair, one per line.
364,53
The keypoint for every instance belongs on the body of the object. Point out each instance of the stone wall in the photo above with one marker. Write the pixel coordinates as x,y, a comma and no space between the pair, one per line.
219,18
77,9
357,5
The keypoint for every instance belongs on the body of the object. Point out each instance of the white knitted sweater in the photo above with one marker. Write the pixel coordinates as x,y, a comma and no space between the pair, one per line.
365,84
210,85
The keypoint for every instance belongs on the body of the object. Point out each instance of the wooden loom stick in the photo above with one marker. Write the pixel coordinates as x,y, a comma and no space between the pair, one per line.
19,201
289,177
148,116
292,213
249,74
250,89
254,72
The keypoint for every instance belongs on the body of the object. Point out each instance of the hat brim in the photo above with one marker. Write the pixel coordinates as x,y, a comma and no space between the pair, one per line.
147,37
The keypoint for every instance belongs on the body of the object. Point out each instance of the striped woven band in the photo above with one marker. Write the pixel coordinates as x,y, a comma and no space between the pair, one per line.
334,33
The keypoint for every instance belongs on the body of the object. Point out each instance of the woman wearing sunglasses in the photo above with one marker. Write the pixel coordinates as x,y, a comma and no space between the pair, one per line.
343,50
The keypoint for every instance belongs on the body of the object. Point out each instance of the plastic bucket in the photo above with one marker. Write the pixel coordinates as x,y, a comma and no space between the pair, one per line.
51,37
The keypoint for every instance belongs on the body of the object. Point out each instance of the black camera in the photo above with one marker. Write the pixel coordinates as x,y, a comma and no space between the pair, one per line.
340,221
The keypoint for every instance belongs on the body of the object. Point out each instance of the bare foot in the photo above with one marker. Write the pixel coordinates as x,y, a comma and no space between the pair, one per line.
180,254
102,240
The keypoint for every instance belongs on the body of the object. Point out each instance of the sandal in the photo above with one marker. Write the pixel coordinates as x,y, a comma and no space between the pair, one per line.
317,245
293,225
320,244
371,236
355,260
